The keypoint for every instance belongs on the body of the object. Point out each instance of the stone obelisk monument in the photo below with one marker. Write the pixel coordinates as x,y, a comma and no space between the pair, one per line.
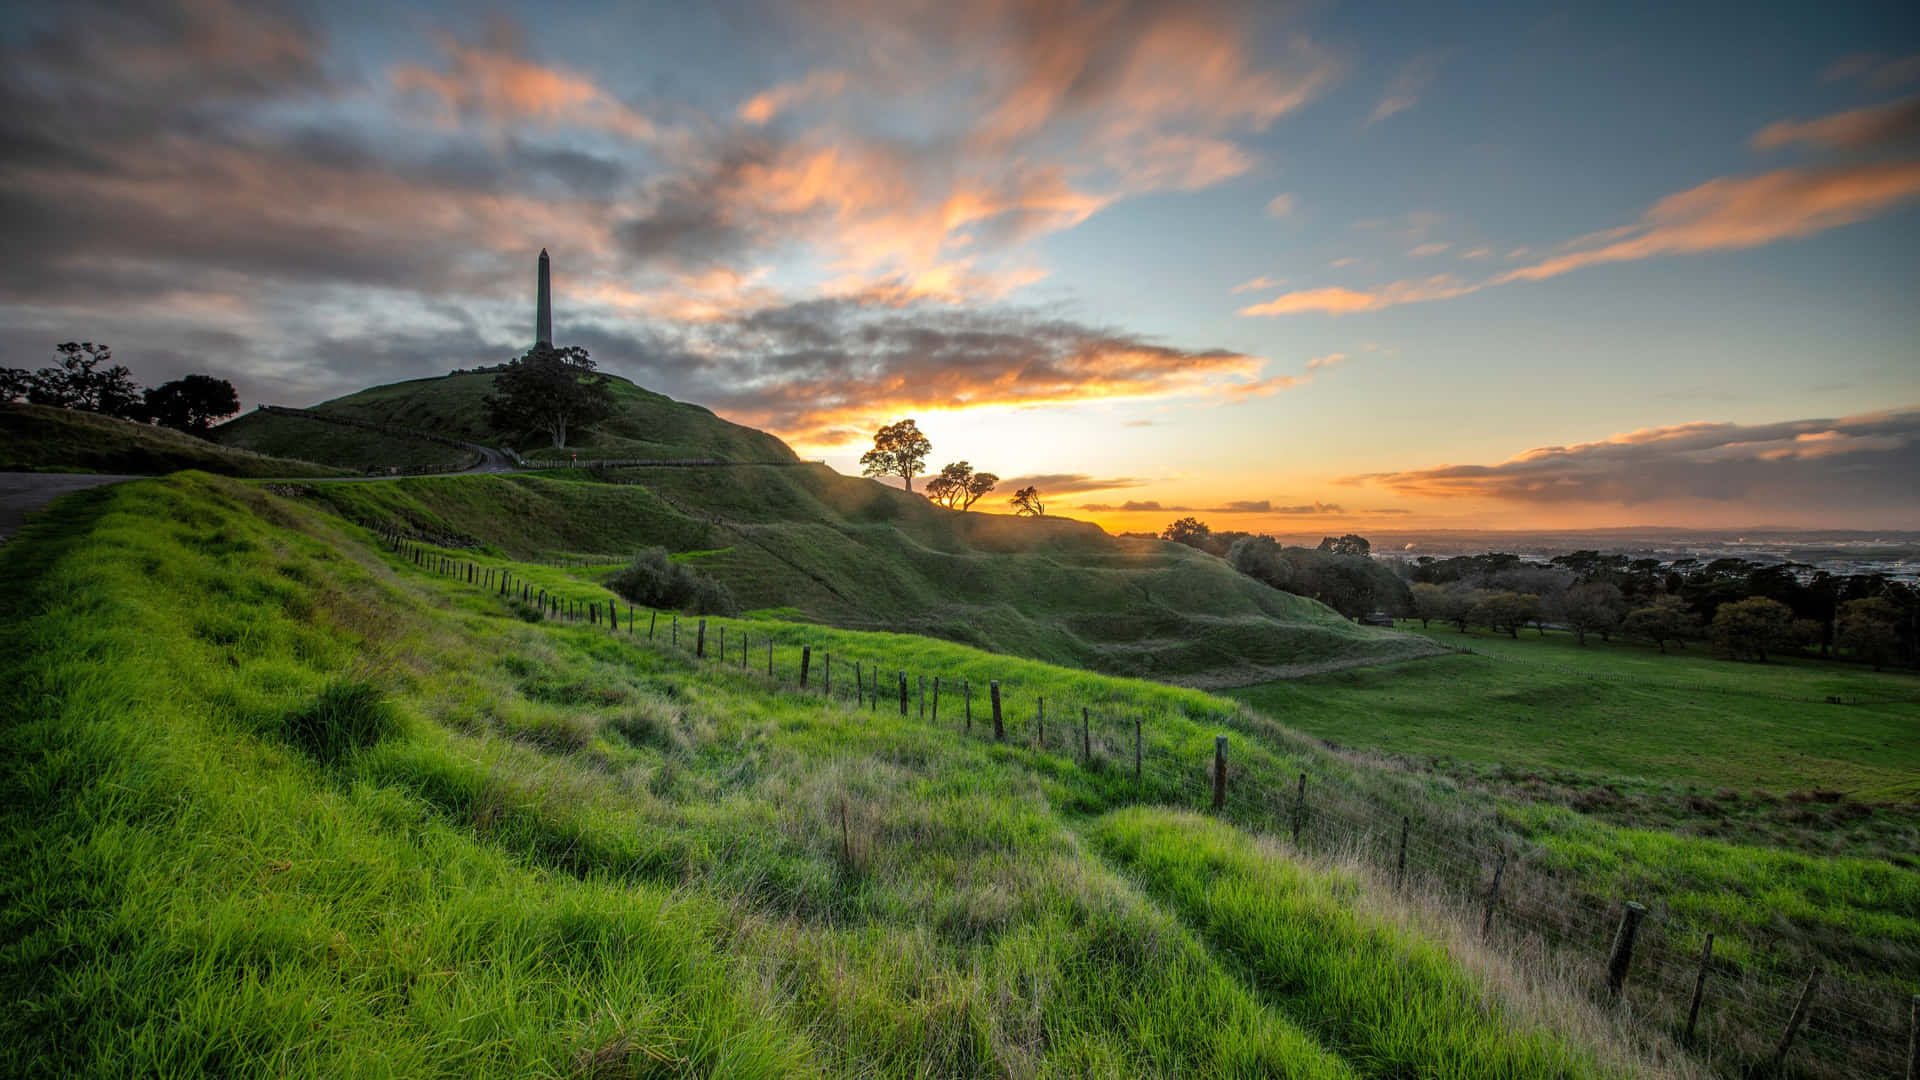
543,311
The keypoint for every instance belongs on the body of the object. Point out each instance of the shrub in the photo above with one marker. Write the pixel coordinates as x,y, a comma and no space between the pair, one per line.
655,581
348,715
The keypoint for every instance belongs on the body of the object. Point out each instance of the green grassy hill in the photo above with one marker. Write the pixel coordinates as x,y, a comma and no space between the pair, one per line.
858,554
40,438
647,425
357,449
327,813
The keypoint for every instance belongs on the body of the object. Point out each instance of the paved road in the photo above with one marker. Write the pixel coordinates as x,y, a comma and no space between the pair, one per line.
23,493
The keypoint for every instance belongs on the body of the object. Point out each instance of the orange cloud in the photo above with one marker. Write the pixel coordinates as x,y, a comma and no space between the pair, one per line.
1338,301
1257,284
1329,360
495,82
1848,130
1728,214
761,108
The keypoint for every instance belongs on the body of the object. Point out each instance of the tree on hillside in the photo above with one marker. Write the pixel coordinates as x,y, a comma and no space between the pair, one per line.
1753,627
1189,531
1665,619
1350,544
15,383
77,383
1593,608
1430,602
900,450
553,390
1505,610
193,404
958,487
1026,502
1869,628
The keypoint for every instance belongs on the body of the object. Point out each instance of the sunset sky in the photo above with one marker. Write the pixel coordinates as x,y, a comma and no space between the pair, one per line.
1299,268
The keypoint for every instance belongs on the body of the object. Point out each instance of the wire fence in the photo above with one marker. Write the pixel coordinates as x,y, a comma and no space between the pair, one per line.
1656,965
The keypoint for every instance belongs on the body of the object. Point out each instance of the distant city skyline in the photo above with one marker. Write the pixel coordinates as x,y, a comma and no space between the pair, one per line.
1306,270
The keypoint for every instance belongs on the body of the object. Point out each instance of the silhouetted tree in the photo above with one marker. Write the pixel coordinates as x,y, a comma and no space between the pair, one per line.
1505,610
1869,629
1350,544
959,487
1189,531
1026,502
1753,627
1429,602
553,390
899,449
193,404
1665,619
15,383
76,384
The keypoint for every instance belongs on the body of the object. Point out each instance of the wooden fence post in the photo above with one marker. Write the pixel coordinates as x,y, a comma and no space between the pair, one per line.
903,693
1699,987
936,700
721,646
1913,1041
1299,808
859,685
1400,864
1219,771
700,641
652,618
923,697
676,631
1493,896
1040,721
1799,1017
806,661
1136,749
1086,736
1622,955
769,657
828,681
999,729
966,691
631,627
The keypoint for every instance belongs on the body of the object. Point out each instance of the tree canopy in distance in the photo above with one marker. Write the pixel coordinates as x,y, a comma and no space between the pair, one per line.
1026,502
552,390
899,449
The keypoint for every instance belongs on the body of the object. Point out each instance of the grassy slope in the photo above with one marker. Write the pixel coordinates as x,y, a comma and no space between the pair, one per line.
1547,703
39,437
552,851
648,425
344,447
858,554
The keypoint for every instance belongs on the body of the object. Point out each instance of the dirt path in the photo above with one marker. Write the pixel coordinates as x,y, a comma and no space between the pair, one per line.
23,493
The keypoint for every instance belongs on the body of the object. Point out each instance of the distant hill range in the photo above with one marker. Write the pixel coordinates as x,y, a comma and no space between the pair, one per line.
783,534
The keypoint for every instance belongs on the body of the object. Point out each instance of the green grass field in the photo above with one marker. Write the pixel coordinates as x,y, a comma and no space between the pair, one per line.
324,814
280,802
37,438
1548,705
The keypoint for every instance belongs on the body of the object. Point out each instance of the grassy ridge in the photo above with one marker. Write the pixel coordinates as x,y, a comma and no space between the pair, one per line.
40,437
352,448
558,854
857,554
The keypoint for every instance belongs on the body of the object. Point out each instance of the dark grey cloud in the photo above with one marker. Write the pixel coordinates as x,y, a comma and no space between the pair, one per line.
1068,483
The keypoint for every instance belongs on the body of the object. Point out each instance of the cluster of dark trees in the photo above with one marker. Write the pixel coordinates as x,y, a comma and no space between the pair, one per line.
1747,610
1340,573
549,389
901,448
77,380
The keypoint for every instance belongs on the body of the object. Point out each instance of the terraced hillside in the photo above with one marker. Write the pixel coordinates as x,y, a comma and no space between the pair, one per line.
327,813
857,554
